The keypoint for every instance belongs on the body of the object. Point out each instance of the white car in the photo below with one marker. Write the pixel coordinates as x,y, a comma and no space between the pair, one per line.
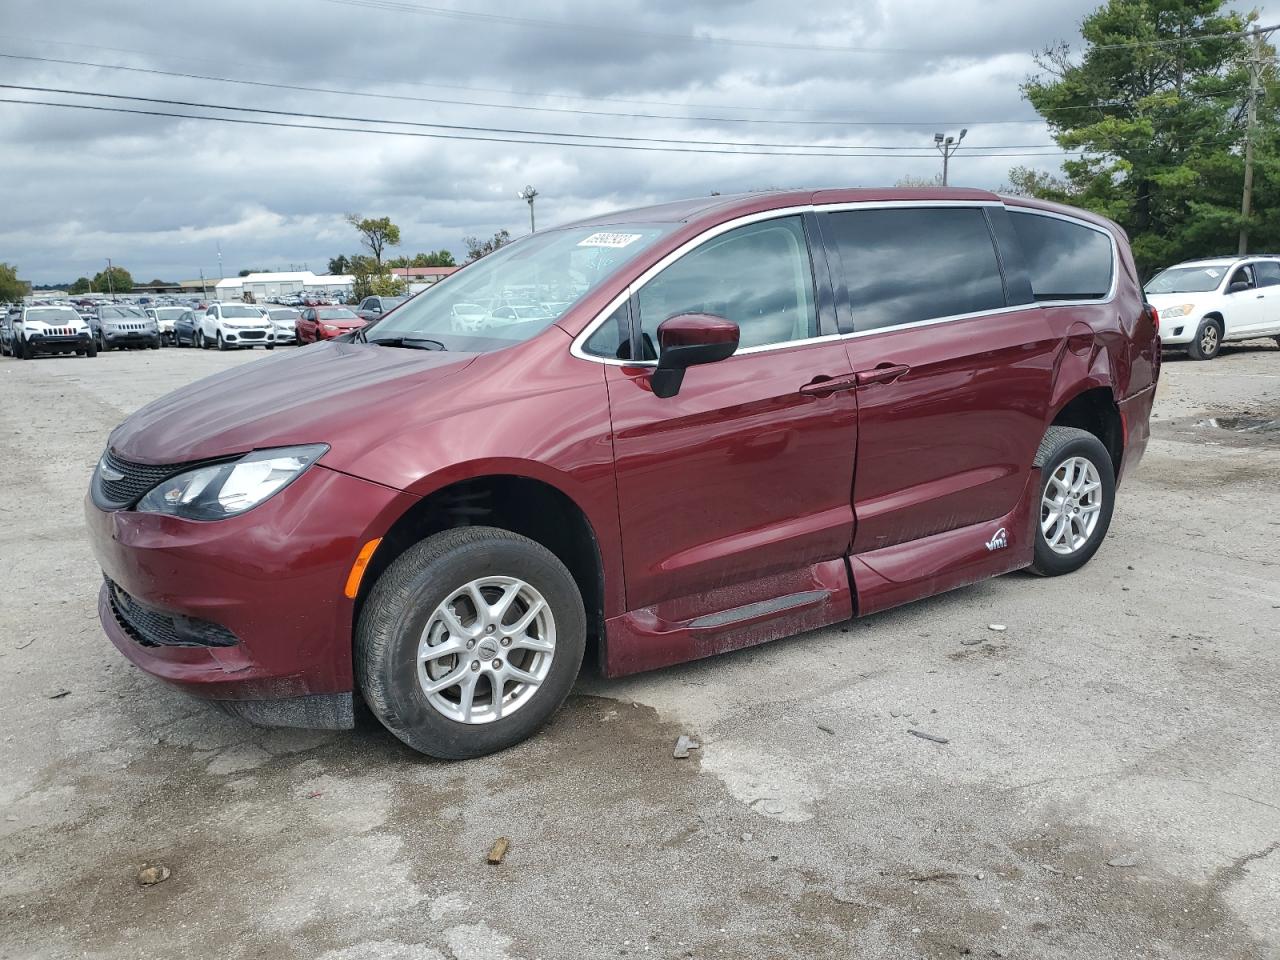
229,326
285,321
51,329
1205,303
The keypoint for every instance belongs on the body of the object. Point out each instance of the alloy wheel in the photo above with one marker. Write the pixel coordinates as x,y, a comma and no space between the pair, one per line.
1209,340
486,649
1070,505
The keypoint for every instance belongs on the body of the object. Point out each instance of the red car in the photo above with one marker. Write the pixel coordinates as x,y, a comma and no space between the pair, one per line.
325,323
653,436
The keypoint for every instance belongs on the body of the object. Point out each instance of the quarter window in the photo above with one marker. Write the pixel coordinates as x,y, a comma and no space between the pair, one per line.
1066,261
910,264
759,276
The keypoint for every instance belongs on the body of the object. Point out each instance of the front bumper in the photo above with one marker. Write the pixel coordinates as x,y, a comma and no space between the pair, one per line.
271,578
43,342
123,338
258,337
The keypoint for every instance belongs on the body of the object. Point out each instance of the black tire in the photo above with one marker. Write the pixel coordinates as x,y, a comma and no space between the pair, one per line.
21,351
155,344
403,601
271,346
1207,342
198,340
1059,445
91,350
222,344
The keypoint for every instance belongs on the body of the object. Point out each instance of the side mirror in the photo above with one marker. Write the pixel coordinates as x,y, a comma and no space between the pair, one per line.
1239,286
687,340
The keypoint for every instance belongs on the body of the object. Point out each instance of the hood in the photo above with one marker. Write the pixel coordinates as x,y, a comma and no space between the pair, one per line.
312,395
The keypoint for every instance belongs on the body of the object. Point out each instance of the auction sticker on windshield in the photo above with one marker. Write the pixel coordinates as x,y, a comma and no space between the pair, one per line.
610,239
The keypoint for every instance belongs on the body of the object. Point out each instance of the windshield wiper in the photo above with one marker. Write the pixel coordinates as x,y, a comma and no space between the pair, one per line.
412,343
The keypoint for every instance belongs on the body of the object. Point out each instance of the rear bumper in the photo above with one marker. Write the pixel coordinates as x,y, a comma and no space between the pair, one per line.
273,577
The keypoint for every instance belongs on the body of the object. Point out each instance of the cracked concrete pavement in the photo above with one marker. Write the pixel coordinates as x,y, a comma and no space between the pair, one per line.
1110,788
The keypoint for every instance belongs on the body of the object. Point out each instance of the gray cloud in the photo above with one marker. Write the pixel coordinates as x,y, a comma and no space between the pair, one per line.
157,195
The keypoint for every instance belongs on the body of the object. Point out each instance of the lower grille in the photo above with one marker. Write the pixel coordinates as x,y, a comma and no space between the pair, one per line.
155,628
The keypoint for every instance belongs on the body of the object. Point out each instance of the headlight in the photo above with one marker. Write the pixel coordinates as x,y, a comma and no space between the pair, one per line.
1181,310
226,489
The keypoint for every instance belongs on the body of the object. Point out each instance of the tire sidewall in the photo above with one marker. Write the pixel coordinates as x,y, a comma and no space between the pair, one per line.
1088,446
1194,349
398,610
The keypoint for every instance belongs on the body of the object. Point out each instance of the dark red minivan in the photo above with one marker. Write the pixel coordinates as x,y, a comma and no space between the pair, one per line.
654,435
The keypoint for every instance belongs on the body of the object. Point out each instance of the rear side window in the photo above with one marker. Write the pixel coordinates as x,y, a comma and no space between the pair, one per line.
1066,261
1267,272
910,264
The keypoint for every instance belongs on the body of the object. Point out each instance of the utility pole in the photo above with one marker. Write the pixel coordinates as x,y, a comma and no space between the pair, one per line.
110,285
947,146
219,259
529,194
204,291
1256,62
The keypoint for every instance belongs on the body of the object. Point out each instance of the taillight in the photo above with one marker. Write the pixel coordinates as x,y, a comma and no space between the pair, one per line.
1155,317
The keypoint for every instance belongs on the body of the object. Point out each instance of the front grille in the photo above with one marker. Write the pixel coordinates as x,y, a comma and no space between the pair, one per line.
252,334
135,478
127,327
155,628
57,332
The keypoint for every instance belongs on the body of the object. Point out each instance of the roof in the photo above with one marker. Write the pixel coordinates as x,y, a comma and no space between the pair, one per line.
729,205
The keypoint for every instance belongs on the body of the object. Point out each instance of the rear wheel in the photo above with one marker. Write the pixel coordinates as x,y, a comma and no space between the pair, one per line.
470,641
1208,340
1077,494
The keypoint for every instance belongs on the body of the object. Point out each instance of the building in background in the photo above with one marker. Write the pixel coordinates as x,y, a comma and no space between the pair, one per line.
419,278
272,286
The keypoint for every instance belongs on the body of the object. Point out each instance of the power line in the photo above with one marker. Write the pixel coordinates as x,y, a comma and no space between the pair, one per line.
480,129
472,138
508,106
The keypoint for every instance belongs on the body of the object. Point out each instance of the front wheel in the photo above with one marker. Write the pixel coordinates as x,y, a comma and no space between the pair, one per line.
470,641
1077,495
222,344
1208,340
91,350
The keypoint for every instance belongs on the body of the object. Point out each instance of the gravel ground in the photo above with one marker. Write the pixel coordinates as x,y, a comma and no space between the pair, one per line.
1110,788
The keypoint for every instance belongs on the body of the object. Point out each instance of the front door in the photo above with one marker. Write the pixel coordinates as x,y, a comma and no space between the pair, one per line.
742,478
954,383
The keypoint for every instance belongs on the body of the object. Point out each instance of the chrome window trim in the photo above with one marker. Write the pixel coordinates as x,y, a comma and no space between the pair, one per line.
579,342
577,348
1115,256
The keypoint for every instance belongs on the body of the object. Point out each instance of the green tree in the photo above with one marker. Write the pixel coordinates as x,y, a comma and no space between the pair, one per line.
120,281
82,285
11,288
432,258
1155,104
339,264
375,233
372,279
477,248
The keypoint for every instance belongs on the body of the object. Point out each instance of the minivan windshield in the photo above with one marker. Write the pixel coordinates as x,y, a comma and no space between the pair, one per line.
1186,280
518,291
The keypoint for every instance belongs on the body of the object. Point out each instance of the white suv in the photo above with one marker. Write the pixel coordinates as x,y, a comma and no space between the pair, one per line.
231,325
1203,303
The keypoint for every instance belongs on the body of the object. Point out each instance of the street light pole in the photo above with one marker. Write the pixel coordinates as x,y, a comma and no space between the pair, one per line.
528,194
947,146
111,287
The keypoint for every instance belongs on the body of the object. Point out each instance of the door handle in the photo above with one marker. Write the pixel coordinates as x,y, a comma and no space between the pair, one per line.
885,373
825,386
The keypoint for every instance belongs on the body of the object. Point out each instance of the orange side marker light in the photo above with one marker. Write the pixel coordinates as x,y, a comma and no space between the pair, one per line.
358,568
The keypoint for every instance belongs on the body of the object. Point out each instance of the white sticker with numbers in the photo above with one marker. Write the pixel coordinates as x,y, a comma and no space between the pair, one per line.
610,240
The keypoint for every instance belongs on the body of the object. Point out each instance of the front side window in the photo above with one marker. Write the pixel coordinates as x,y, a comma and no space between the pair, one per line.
1242,275
516,292
910,264
759,276
1066,260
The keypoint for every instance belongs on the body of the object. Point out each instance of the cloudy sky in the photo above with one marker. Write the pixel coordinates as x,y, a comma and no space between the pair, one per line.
160,194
